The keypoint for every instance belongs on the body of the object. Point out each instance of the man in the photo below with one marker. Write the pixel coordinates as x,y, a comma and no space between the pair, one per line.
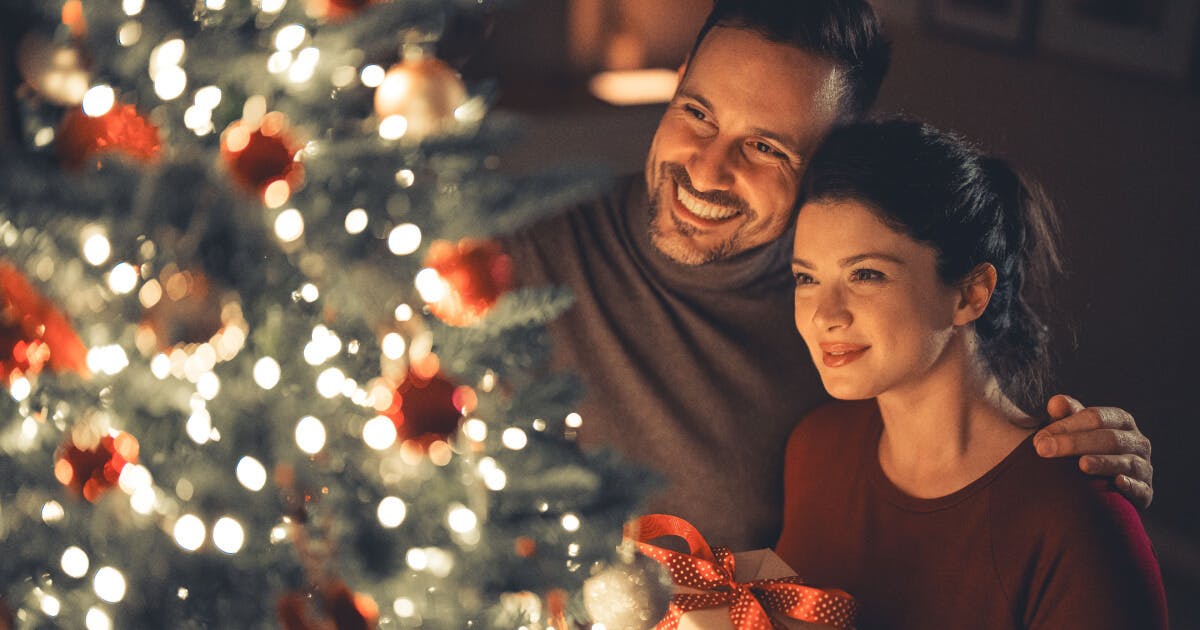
682,328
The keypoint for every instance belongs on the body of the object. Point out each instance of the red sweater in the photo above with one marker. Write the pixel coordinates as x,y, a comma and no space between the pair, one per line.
1033,543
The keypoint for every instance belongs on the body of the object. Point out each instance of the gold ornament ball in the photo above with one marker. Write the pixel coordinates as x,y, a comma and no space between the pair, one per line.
57,72
425,92
630,595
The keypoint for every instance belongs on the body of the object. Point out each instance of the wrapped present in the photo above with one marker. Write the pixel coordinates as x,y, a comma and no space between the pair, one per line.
721,590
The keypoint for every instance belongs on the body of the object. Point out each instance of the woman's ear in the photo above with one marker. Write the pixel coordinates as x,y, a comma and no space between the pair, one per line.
974,294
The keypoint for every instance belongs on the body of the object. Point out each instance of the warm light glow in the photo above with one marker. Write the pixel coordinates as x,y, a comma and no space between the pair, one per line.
372,76
123,278
279,62
289,225
109,584
51,606
356,221
20,388
306,63
75,562
99,100
290,37
570,522
430,285
416,559
403,313
379,432
208,385
108,360
393,346
228,535
329,382
52,512
404,239
96,248
475,429
514,438
170,82
635,87
271,6
189,532
574,420
134,478
266,372
132,7
309,292
310,435
461,519
495,479
168,54
405,178
208,97
277,193
251,474
97,619
393,127
199,426
404,607
391,512
160,366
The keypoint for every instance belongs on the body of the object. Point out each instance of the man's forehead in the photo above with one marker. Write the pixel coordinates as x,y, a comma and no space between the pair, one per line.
774,88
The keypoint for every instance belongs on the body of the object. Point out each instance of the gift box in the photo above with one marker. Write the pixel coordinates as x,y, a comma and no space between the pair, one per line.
752,590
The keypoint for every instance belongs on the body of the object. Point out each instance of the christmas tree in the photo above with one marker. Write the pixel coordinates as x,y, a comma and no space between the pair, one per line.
263,364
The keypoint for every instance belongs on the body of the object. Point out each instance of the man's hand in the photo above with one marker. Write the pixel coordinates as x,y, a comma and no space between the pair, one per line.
1108,441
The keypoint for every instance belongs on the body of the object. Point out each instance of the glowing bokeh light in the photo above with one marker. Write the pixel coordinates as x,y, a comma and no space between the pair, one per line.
97,619
75,562
189,532
267,373
289,225
514,438
310,435
393,127
391,512
96,248
99,100
228,535
109,584
404,239
570,522
251,474
372,76
475,429
356,221
290,37
461,519
329,382
52,512
379,432
123,278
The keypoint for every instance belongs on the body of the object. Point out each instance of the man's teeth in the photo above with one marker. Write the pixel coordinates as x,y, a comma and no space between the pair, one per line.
702,209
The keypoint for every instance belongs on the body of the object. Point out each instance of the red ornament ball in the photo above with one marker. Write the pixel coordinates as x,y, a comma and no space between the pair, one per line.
425,91
261,155
93,469
428,408
336,9
340,609
473,273
121,129
34,334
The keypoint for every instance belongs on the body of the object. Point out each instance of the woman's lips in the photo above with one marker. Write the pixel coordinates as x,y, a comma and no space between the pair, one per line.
839,354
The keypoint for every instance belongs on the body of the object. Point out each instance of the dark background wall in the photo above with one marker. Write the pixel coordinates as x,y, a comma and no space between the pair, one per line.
1119,151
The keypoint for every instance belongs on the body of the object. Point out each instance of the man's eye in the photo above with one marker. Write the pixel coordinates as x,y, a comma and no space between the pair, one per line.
696,113
768,150
867,275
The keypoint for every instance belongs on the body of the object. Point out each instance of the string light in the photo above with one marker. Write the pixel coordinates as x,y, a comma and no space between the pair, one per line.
99,100
379,432
391,512
228,535
75,562
109,585
310,435
251,474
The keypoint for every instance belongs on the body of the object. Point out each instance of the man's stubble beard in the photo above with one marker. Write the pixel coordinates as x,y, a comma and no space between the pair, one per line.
677,244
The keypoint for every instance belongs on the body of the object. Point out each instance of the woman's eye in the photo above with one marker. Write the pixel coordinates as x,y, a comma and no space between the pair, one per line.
867,275
802,278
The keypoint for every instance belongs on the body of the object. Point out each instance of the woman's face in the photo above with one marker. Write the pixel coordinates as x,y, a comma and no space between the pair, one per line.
869,303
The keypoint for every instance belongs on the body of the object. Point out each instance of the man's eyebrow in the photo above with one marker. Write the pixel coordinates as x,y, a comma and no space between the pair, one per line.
696,97
852,260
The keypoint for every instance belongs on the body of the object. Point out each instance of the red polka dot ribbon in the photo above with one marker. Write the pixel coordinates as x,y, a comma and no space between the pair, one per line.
711,571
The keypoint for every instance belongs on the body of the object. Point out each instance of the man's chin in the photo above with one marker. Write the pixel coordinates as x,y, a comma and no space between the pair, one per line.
679,249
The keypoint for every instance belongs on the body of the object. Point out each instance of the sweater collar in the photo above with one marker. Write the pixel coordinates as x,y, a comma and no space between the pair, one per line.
760,268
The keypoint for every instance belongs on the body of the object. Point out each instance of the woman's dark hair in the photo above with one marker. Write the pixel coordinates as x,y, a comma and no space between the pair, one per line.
846,32
971,208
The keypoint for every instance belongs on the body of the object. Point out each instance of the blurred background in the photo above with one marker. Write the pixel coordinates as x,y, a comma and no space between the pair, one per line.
1097,99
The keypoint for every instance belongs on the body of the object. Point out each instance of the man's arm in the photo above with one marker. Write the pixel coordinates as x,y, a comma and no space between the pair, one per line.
1108,444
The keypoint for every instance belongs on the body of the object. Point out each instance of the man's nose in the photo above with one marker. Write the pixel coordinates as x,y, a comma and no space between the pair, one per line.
711,165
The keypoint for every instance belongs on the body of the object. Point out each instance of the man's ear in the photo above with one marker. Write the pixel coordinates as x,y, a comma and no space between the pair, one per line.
974,294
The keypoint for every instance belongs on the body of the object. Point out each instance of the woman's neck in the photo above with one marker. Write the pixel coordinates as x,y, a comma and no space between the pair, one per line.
950,427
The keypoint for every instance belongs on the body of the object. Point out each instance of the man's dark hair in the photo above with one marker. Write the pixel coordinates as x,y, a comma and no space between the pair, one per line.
846,32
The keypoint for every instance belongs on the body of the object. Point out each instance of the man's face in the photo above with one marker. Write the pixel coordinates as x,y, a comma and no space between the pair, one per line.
726,162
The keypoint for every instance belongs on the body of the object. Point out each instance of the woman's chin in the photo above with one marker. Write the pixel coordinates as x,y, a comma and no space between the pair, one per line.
843,390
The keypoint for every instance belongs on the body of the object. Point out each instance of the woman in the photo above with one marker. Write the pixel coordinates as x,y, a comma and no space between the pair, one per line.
924,498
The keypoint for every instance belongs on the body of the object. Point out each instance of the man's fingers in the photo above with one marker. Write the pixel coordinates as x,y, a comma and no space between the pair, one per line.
1139,494
1087,419
1093,442
1132,466
1061,406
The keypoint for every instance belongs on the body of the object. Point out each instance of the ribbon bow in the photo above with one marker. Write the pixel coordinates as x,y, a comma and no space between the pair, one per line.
711,570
